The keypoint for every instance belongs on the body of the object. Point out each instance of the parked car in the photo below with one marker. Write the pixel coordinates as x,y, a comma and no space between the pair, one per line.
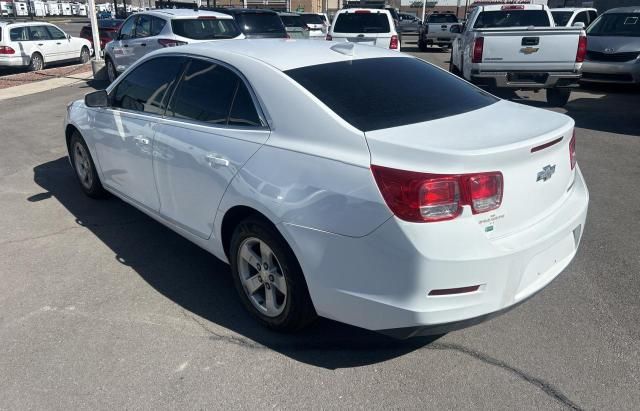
316,24
258,23
374,27
107,30
569,16
295,25
381,204
152,30
408,23
35,44
613,47
436,30
518,47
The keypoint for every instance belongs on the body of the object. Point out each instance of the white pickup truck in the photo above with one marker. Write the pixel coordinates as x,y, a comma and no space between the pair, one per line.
516,46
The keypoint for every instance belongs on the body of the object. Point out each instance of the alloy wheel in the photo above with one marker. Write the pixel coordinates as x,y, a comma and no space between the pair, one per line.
83,165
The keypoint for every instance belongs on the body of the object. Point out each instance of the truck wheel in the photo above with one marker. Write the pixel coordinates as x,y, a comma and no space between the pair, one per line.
558,97
422,45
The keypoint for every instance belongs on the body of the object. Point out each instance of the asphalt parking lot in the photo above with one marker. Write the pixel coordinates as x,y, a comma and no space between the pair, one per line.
104,308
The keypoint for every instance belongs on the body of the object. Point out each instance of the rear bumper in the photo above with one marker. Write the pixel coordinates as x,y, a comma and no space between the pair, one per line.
439,38
14,61
383,281
611,72
507,79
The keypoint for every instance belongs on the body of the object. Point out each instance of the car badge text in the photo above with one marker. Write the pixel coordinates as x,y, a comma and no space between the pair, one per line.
529,50
546,173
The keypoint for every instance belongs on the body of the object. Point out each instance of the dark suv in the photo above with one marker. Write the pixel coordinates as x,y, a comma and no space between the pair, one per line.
257,23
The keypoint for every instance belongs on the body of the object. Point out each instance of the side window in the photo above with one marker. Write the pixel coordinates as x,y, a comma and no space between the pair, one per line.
145,87
56,33
127,30
592,16
205,93
143,26
19,34
581,18
157,24
38,33
243,111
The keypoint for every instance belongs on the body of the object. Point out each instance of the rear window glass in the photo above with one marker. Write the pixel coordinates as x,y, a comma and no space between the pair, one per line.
293,21
312,19
205,29
561,18
512,18
358,91
362,23
616,24
442,18
260,23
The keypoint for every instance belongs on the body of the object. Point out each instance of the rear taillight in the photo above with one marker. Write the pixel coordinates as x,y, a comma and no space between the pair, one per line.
329,37
7,50
572,150
171,42
582,49
393,44
422,197
478,47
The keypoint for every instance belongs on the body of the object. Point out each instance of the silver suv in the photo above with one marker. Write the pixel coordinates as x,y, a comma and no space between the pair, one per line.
145,32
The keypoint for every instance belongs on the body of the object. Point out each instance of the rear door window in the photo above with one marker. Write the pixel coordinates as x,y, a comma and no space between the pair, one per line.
205,29
359,92
363,22
39,33
19,34
157,24
512,18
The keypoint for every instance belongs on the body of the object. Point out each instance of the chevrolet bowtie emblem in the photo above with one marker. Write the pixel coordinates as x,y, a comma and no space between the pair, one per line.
529,50
546,173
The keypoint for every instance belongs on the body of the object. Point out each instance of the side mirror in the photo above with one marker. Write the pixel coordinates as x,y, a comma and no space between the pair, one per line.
98,98
456,29
578,24
69,37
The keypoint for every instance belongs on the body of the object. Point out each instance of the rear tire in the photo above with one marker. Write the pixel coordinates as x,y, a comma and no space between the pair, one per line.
558,97
254,243
422,45
84,167
36,63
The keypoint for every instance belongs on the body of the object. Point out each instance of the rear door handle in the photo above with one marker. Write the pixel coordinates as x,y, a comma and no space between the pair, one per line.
125,45
143,45
58,43
215,160
140,140
40,44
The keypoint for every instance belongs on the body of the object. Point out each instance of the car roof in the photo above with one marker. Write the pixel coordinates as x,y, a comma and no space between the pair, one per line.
284,54
23,23
631,9
183,13
287,13
498,7
572,9
247,11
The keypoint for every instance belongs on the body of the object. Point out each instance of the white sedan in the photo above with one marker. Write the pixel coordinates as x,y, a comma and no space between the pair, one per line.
408,208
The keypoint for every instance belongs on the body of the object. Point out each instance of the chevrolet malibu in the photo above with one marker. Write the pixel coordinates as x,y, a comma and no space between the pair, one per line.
408,208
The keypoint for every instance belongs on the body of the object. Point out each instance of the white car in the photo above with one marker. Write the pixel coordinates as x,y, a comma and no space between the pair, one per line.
351,201
152,30
36,44
569,16
314,21
373,27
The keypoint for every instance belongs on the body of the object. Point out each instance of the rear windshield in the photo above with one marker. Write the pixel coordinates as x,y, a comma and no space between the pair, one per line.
312,19
362,23
561,18
260,23
512,18
442,18
205,29
616,24
358,91
293,21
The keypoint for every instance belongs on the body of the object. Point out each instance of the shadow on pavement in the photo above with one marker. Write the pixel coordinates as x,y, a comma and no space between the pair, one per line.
202,285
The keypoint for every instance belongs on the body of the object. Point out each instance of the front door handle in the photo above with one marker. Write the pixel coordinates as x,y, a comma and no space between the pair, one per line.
40,44
215,160
143,45
140,140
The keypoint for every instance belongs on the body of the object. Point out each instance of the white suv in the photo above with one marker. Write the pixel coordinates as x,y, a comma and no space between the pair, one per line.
373,27
145,32
35,44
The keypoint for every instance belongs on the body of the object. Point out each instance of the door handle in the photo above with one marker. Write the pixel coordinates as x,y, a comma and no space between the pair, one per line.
215,160
58,43
40,44
143,45
140,140
125,45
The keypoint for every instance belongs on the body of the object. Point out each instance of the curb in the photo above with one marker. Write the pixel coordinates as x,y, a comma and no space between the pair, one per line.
44,85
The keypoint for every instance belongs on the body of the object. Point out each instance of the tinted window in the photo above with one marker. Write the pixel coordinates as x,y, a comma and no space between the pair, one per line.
616,24
143,26
312,19
356,92
55,33
243,111
205,93
157,24
592,16
561,18
145,87
442,18
260,23
582,18
38,33
126,32
205,29
293,21
19,34
362,23
512,18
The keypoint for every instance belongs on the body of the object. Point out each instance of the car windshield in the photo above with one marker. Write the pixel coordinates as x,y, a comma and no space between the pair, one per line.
512,18
561,18
442,18
260,23
358,91
293,21
205,28
616,24
312,19
362,23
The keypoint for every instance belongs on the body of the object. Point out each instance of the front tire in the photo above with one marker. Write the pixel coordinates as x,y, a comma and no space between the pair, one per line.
268,277
84,55
36,63
84,167
111,71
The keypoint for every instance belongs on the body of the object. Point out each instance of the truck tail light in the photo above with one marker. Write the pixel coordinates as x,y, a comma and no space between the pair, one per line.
478,47
329,37
423,197
393,44
7,50
170,42
582,49
572,150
